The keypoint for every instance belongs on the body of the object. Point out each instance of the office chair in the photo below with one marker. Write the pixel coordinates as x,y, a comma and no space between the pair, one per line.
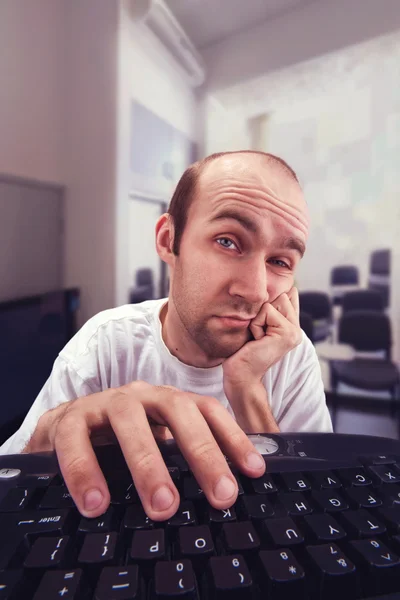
307,325
318,305
144,288
343,279
379,274
366,331
362,300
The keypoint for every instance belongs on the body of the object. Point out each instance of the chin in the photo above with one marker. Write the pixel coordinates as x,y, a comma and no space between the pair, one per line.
218,348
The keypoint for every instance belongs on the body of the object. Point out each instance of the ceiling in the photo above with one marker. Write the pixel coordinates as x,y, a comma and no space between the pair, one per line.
210,21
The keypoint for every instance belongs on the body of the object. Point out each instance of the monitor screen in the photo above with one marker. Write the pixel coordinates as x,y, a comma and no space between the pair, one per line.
32,333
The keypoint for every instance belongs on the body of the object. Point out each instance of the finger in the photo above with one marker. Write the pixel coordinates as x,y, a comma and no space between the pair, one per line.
258,324
200,449
78,463
158,494
295,300
231,438
284,306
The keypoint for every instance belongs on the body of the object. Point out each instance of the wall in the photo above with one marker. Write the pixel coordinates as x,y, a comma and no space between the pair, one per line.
315,28
90,87
31,90
150,76
336,120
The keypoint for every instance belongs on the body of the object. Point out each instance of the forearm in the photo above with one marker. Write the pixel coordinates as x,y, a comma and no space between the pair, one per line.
252,410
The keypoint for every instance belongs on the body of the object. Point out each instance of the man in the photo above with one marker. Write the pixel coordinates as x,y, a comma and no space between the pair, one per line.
222,356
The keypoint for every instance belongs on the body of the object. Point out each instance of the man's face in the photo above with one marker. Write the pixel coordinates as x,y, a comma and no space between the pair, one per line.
245,232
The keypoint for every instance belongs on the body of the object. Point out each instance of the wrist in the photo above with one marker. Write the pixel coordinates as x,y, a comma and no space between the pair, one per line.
252,410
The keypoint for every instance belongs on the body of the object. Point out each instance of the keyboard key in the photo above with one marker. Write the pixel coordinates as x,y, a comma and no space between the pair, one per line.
295,482
381,566
120,583
390,494
105,523
283,532
47,552
185,515
325,480
333,574
216,518
98,549
177,460
323,528
383,459
57,497
68,585
361,524
38,480
174,580
123,493
196,543
228,577
295,504
386,473
11,584
329,500
148,547
256,507
363,497
36,523
262,485
280,575
16,499
240,538
135,519
391,516
175,475
355,477
192,490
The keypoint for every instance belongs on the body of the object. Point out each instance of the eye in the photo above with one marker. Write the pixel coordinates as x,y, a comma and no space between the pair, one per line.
280,263
224,242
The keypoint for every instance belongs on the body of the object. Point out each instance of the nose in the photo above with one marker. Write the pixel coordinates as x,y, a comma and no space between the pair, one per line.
250,282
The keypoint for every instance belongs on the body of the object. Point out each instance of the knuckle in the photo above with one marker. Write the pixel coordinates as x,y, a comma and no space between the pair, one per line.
120,404
208,404
77,470
204,451
145,460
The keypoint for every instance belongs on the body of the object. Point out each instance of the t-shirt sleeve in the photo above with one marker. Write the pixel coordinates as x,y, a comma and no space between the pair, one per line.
304,404
64,384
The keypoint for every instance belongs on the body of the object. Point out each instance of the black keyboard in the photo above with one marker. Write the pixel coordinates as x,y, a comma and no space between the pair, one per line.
322,523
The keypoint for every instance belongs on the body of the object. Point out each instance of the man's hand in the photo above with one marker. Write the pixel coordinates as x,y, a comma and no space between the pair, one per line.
276,331
201,426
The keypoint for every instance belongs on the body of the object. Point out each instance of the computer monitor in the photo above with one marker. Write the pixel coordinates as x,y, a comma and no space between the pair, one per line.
33,330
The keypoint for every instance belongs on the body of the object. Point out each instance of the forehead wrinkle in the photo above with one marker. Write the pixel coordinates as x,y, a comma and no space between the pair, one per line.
274,204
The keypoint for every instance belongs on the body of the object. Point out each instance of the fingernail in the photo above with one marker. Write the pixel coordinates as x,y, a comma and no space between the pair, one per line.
162,498
254,461
224,489
92,500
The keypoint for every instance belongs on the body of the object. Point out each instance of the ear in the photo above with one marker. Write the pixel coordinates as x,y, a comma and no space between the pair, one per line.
165,239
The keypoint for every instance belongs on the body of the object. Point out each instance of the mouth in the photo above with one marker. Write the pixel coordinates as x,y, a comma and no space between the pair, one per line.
235,321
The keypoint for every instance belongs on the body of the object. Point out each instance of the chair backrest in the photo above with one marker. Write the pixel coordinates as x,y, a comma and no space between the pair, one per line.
380,262
316,304
144,277
362,300
344,275
307,325
366,331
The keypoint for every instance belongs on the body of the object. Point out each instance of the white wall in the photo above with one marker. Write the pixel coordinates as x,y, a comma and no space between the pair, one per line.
316,28
30,89
90,84
149,75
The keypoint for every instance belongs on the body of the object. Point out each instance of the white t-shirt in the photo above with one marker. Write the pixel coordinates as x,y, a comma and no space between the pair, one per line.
125,344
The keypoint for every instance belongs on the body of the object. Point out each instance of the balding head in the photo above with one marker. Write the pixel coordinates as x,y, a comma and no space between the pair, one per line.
266,166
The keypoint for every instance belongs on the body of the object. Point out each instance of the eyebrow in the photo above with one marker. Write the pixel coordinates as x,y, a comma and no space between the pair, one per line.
289,243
